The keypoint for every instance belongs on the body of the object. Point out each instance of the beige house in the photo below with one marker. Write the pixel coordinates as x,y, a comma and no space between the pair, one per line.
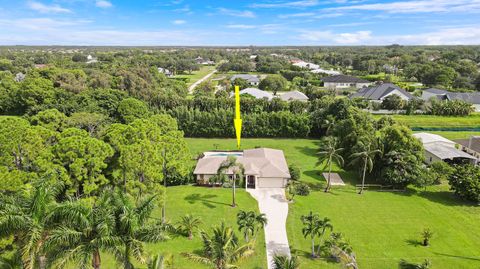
264,167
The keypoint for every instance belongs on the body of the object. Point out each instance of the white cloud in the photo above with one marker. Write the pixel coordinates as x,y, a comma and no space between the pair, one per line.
287,4
328,37
237,13
41,23
420,6
42,8
179,22
241,26
103,4
296,15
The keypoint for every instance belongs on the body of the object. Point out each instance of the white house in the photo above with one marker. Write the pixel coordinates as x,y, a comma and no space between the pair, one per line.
303,64
438,148
344,81
251,79
293,95
444,95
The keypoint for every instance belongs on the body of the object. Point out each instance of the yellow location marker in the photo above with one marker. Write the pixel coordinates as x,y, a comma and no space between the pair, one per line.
237,121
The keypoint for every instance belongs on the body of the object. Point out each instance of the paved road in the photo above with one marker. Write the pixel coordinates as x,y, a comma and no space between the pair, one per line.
190,89
272,203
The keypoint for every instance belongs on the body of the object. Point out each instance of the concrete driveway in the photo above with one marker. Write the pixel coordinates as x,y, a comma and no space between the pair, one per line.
273,204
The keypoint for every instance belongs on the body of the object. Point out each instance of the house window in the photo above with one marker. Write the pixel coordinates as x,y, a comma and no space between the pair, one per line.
431,159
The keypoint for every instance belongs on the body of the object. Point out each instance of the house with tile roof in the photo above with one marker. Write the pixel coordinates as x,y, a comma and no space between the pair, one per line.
379,92
444,95
264,167
251,79
294,95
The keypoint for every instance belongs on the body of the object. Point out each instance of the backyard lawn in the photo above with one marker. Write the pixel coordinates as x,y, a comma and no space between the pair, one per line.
382,227
429,121
196,75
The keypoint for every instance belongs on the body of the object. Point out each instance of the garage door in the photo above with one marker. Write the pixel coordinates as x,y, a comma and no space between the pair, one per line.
264,182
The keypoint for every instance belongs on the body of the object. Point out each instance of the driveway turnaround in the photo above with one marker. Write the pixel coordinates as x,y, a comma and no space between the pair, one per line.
273,204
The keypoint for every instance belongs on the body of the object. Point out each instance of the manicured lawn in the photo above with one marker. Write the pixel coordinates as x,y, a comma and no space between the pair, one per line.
455,135
382,227
429,121
196,75
212,205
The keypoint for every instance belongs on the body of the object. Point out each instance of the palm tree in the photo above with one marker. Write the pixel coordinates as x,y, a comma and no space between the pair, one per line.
221,250
237,169
285,262
311,227
25,216
426,236
324,225
364,156
84,231
188,224
249,223
160,262
134,227
330,153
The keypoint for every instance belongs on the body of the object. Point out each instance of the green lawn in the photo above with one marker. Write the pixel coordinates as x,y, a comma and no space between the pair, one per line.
212,205
382,227
429,121
196,75
454,135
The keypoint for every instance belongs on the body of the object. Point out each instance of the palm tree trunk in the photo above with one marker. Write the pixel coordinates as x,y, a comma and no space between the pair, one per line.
233,192
328,178
313,247
96,260
363,177
164,170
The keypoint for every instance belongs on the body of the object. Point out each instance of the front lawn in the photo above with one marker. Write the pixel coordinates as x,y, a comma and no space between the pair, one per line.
382,227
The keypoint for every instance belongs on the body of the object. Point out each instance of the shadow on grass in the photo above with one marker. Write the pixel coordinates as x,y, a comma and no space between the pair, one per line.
458,257
445,198
413,242
204,199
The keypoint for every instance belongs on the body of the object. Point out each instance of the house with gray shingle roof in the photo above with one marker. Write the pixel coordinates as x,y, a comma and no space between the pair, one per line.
344,81
257,93
294,95
444,95
379,92
251,79
264,167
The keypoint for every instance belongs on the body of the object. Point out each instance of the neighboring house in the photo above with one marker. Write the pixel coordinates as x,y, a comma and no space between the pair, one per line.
328,72
470,145
200,60
251,79
165,71
469,97
344,81
91,59
303,64
438,148
257,93
264,167
19,77
293,95
379,92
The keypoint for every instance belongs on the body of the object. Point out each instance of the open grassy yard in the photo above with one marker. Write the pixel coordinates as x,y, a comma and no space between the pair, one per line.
454,135
382,227
196,75
429,121
212,205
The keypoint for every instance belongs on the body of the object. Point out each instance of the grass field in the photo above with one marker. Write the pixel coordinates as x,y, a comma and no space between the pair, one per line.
382,227
429,121
454,135
196,75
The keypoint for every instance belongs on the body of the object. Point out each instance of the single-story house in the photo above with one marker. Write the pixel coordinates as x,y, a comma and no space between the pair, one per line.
165,71
444,95
324,71
294,95
470,145
257,93
251,79
264,167
438,148
344,81
380,91
303,64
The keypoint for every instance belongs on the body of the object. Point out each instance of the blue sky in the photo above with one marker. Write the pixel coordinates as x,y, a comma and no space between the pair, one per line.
248,22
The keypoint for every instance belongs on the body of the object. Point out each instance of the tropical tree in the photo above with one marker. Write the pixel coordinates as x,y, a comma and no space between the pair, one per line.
285,262
189,224
324,225
134,227
25,216
231,164
329,153
160,262
249,223
364,155
311,228
427,234
222,249
84,231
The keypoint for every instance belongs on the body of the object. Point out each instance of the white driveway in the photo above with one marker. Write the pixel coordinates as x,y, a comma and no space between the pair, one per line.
273,204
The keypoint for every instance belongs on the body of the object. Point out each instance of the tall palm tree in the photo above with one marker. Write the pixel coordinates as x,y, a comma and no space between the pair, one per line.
134,227
84,231
329,153
324,225
311,228
364,156
188,224
160,262
221,250
237,169
249,223
25,216
285,262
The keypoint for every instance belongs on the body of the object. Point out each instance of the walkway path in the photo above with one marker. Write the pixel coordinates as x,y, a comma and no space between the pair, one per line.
195,84
273,204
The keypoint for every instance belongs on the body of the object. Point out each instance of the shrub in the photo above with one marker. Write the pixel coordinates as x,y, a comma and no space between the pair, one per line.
465,182
294,172
302,189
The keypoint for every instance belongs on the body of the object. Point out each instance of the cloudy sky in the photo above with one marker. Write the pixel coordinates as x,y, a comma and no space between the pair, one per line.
239,22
